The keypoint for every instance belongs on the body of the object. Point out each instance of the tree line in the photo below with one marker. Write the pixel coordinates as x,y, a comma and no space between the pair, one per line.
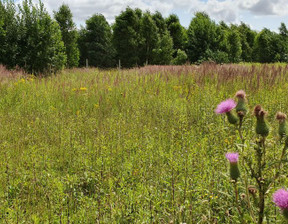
33,40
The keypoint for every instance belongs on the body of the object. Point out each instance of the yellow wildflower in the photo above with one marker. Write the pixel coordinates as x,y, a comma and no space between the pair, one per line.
83,89
177,87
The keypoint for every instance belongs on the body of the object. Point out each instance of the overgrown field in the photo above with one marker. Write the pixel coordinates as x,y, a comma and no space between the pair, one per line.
131,146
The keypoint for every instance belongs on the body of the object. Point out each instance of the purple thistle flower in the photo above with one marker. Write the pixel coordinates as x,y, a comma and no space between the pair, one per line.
225,106
232,157
280,198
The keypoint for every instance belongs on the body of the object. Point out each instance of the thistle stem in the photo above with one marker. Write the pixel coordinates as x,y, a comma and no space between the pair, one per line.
262,190
240,131
243,165
236,197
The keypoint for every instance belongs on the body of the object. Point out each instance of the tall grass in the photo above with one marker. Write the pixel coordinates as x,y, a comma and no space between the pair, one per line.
130,146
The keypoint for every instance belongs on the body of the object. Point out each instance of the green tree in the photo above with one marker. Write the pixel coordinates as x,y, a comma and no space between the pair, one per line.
269,47
283,30
160,23
126,37
162,55
223,31
247,37
149,34
202,37
69,34
96,43
2,31
284,41
9,34
41,49
177,32
235,50
181,58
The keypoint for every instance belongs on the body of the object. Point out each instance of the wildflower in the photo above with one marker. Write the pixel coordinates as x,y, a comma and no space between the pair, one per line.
52,108
177,88
262,127
233,157
226,107
233,160
241,107
108,88
280,198
281,117
83,89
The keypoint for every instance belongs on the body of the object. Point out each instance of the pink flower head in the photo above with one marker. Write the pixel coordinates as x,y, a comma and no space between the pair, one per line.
280,198
225,106
232,157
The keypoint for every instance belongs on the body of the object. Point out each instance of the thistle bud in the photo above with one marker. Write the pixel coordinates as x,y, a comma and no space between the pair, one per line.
282,130
231,117
241,107
262,127
234,170
252,190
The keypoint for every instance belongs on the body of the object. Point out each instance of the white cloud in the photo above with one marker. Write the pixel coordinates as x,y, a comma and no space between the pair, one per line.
265,7
226,10
219,10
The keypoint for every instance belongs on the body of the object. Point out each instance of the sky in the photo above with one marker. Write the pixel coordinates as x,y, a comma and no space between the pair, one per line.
258,14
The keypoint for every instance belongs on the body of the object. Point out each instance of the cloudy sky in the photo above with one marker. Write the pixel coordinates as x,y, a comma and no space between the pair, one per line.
257,13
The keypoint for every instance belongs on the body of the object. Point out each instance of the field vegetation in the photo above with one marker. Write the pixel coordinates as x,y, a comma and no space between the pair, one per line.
132,146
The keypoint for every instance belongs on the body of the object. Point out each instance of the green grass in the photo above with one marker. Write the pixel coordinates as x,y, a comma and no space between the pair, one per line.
130,146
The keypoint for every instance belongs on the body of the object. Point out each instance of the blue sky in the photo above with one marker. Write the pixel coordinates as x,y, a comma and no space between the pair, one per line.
257,13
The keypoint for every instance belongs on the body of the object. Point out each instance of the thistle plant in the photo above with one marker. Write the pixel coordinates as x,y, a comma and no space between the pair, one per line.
255,165
282,131
226,107
234,173
262,127
241,108
234,170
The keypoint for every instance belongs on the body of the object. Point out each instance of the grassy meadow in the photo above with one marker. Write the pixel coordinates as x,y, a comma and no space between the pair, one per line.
131,146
